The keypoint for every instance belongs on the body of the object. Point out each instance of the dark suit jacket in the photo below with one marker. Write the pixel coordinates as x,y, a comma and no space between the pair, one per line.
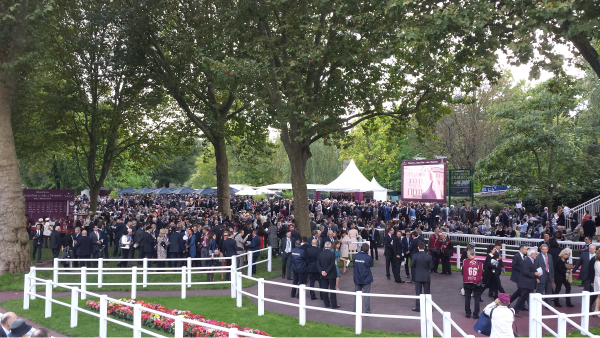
94,239
584,263
414,246
539,263
54,242
517,264
527,278
177,244
326,262
398,248
230,247
312,253
388,244
284,243
147,244
83,246
421,263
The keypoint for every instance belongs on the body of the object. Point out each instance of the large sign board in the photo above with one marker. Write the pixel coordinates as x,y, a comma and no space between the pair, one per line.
49,203
424,180
460,182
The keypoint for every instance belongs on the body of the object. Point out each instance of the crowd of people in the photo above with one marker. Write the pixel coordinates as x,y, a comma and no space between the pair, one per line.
172,228
12,326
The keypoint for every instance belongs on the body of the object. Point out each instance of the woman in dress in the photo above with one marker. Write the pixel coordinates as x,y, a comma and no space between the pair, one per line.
489,271
597,280
344,249
213,251
560,276
162,248
335,247
353,235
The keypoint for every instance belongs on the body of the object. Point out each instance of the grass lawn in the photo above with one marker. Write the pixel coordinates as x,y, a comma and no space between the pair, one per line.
10,282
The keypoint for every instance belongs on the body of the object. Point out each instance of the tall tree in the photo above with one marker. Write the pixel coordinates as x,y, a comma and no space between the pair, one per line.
14,28
193,52
526,31
329,65
542,145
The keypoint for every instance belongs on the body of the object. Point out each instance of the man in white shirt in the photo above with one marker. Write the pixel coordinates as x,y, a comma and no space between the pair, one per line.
502,317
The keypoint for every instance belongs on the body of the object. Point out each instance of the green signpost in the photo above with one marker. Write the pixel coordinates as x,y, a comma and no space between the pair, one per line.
460,183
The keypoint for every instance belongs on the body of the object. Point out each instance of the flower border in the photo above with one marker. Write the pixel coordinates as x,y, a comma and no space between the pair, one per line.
158,322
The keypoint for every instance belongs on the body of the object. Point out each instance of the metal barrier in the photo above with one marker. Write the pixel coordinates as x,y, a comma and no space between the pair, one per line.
537,303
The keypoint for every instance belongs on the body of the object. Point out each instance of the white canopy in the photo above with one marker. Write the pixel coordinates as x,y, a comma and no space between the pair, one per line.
378,195
247,192
288,186
263,190
352,180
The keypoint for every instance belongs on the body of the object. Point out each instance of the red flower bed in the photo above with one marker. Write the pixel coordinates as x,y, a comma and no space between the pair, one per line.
158,322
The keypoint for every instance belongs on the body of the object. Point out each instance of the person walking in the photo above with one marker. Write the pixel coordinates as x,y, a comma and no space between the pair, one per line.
344,250
312,252
560,277
545,262
586,263
374,241
398,257
254,247
516,266
527,280
37,237
472,275
326,264
363,277
335,247
501,316
298,267
83,248
287,244
55,242
422,264
388,245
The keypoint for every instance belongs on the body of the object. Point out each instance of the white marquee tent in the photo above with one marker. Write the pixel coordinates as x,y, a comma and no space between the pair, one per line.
381,193
352,180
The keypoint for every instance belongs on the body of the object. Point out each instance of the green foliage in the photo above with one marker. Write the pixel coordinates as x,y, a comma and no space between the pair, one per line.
287,194
177,171
543,146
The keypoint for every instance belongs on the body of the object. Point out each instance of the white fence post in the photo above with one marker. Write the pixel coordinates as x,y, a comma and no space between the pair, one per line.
447,325
233,332
535,312
83,285
250,262
503,251
562,325
458,256
103,315
145,272
74,306
302,304
270,259
100,268
133,282
429,315
189,272
232,276
183,283
585,311
178,327
422,305
359,310
261,296
137,321
55,272
26,288
48,300
33,282
238,286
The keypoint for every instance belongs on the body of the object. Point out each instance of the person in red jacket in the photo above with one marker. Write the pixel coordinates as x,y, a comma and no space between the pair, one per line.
472,272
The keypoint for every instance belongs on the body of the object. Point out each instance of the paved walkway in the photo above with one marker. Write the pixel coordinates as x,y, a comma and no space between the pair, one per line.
445,293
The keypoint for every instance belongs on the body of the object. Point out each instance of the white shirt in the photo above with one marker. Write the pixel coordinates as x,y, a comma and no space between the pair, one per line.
502,320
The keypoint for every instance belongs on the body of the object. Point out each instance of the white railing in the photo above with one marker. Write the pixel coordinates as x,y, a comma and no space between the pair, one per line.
104,318
425,316
447,323
592,205
537,303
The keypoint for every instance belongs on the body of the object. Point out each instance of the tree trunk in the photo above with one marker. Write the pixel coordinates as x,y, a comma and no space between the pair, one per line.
94,192
298,154
222,176
14,241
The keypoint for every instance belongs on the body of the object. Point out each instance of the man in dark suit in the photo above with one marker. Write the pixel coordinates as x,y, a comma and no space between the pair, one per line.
7,319
544,261
517,265
586,262
421,263
406,242
230,249
118,231
96,244
316,236
147,244
312,252
83,248
527,279
388,246
298,266
413,249
55,242
37,237
254,246
398,257
287,244
326,265
175,248
374,241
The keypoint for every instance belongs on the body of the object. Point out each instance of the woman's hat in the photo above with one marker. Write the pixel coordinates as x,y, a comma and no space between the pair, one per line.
504,298
18,328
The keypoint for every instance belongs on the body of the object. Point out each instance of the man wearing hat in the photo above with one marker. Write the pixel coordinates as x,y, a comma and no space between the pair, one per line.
19,328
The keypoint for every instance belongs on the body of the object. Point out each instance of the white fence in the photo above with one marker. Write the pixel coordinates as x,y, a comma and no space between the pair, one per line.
536,319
